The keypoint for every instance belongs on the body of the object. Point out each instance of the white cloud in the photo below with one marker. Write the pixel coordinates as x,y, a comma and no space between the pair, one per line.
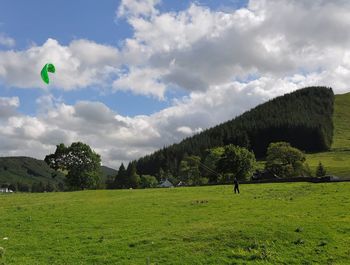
197,48
81,64
6,41
185,130
8,106
137,8
141,81
120,138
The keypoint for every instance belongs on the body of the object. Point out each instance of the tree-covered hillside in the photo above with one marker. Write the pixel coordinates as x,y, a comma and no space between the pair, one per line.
302,118
26,171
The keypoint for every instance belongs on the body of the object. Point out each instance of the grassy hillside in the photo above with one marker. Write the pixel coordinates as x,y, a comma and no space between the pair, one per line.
293,223
337,161
341,119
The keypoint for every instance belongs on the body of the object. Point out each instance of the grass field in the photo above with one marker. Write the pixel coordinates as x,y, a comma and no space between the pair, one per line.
335,162
291,223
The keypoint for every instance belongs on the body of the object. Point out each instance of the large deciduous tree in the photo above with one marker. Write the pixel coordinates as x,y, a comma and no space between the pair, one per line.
237,161
79,161
284,160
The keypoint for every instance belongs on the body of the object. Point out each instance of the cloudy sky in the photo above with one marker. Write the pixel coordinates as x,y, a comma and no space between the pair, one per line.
135,75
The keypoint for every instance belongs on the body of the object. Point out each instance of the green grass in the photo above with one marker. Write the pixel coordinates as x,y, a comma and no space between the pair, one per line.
341,119
290,223
337,161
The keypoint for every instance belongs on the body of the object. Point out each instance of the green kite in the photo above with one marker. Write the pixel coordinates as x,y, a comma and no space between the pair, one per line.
44,72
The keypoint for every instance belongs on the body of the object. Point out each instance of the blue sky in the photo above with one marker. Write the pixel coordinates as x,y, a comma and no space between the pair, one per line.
36,21
29,22
133,76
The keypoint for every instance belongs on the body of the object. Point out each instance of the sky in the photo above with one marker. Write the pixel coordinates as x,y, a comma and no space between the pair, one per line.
133,76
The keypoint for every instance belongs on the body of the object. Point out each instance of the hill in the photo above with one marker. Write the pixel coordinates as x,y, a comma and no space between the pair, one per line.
290,223
302,118
341,119
107,172
337,160
27,170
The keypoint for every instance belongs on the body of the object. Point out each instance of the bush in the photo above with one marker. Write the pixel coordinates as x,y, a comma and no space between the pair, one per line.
148,181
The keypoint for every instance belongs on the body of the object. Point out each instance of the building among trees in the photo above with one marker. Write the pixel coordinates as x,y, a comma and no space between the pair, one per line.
166,184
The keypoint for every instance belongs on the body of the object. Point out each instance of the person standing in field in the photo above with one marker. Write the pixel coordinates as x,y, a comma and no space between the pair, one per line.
236,185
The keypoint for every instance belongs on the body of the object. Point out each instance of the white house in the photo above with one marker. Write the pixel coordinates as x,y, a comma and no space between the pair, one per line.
5,190
166,184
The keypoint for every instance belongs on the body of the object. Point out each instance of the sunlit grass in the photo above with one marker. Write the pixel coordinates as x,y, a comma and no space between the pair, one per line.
290,223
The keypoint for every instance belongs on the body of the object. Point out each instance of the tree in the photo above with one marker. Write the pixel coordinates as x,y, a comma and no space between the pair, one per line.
238,161
80,162
209,169
284,160
133,179
189,171
120,179
320,170
147,181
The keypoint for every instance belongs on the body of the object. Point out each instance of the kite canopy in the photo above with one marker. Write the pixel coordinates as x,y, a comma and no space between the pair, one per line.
44,72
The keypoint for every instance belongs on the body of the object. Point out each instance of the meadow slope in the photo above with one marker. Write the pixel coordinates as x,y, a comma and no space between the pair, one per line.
291,223
337,161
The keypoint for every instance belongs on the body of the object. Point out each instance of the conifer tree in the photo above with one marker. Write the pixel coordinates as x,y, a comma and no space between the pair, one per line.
320,170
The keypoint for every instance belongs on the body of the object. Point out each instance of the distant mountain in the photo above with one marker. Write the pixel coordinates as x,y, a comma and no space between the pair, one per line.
107,172
303,118
29,170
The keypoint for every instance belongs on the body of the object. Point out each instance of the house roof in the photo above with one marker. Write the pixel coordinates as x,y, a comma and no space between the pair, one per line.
166,183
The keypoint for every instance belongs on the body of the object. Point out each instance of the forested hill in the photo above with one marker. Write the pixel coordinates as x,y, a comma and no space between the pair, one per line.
303,118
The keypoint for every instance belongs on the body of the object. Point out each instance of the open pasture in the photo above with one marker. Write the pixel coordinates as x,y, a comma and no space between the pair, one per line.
290,223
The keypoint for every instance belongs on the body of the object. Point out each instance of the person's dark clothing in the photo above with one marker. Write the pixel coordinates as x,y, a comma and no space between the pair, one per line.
236,186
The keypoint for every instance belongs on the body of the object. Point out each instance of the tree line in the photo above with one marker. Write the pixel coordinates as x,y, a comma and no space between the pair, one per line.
302,118
220,165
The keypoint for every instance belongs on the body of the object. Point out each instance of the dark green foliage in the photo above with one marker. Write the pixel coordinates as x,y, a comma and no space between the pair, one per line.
133,179
302,118
81,163
120,180
189,172
125,178
38,187
23,187
320,170
285,161
148,181
27,170
238,161
209,165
